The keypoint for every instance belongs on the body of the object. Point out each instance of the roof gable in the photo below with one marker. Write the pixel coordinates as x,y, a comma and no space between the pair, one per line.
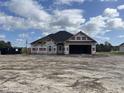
82,37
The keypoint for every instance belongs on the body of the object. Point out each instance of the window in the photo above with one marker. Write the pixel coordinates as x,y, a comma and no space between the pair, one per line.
83,38
35,49
94,49
78,38
41,49
44,49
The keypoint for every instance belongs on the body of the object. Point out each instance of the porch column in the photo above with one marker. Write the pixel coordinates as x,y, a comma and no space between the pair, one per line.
93,48
66,51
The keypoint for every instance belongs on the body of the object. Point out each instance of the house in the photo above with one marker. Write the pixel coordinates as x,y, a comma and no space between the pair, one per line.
64,42
121,47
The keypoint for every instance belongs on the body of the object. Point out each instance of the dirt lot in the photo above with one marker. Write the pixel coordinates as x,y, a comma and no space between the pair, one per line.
61,74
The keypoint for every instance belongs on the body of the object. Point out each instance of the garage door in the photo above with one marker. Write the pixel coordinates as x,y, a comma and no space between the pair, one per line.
80,49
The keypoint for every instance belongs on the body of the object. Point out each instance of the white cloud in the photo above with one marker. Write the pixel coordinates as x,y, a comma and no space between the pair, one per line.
38,18
2,37
95,25
28,9
101,24
121,7
115,23
23,35
110,12
102,38
68,1
69,19
19,42
121,36
32,32
108,0
9,22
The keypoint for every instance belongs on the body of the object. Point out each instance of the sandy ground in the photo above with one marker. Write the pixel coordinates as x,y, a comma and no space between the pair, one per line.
61,74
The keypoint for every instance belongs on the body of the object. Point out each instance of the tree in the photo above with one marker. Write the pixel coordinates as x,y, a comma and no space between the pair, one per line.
106,47
4,44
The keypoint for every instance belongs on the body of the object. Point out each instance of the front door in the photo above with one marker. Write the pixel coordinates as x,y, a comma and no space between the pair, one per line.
60,49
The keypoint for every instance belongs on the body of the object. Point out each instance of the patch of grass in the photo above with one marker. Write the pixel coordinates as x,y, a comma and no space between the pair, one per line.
102,54
117,53
109,53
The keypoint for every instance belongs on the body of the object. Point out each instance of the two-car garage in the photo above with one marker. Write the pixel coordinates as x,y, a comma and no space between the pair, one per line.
79,49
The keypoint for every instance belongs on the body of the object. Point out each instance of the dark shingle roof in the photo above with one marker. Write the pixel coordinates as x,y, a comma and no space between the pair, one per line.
60,36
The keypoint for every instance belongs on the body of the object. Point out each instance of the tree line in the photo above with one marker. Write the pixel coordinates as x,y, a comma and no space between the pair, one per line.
6,48
4,44
103,47
106,47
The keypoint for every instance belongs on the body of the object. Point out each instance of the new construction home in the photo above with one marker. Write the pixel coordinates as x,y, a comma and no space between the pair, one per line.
64,42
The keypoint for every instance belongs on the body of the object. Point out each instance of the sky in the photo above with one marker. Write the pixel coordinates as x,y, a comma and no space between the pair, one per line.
22,20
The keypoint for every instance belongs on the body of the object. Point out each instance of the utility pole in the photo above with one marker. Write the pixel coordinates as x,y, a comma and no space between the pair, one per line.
26,46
